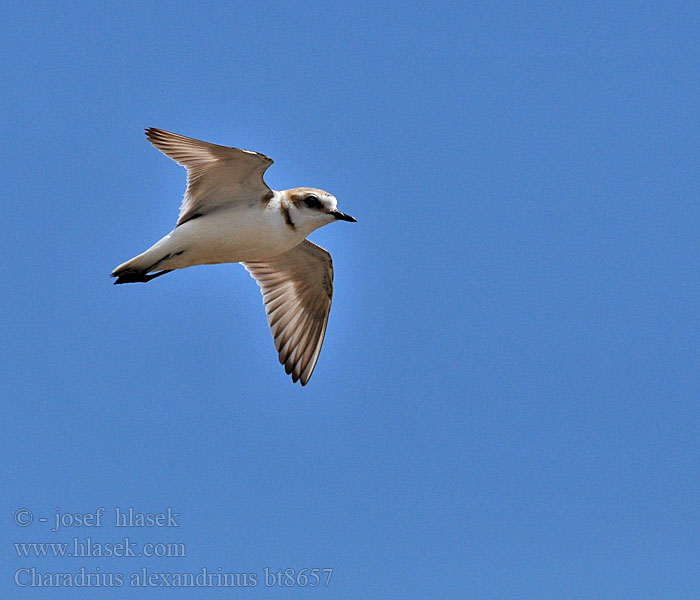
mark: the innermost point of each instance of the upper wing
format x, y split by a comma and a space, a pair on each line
216, 175
297, 289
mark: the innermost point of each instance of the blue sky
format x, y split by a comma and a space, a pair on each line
506, 404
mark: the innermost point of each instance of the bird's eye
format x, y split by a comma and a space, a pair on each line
312, 202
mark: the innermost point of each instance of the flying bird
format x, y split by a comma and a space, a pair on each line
229, 215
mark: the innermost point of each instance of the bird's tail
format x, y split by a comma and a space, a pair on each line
137, 276
141, 268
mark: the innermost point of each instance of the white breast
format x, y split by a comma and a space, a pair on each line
246, 233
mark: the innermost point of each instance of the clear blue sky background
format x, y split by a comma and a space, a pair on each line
506, 404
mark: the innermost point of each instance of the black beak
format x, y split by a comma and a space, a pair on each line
343, 217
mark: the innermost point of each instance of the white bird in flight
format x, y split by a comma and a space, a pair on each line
229, 215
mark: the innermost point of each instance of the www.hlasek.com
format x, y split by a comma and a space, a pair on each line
286, 578
87, 548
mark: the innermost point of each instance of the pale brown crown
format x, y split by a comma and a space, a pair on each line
296, 196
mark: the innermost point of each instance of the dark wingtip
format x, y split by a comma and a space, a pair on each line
153, 133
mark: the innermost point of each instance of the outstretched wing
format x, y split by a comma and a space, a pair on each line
297, 289
217, 176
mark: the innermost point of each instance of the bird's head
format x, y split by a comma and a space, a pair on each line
310, 208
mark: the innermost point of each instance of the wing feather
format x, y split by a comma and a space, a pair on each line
217, 176
297, 289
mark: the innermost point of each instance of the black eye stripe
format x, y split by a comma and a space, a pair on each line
312, 202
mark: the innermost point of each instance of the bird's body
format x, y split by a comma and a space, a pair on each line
248, 232
229, 215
